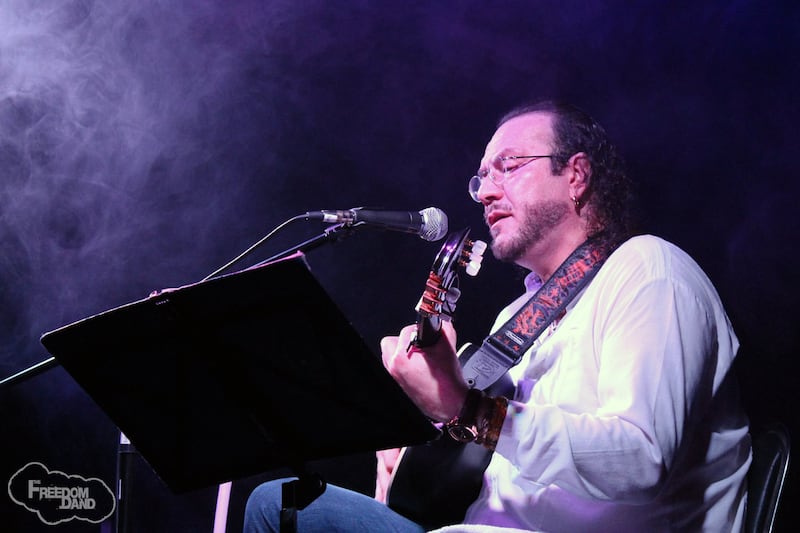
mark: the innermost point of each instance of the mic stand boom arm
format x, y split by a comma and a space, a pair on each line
331, 234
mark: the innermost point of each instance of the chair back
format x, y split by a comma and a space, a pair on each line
771, 450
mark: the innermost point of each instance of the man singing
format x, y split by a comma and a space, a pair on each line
625, 415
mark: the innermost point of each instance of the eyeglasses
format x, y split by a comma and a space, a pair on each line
503, 166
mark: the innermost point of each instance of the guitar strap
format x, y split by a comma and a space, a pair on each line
505, 347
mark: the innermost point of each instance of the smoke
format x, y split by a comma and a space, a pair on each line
110, 147
125, 149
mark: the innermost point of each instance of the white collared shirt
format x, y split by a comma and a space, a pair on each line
626, 416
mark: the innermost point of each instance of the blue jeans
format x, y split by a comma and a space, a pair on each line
336, 510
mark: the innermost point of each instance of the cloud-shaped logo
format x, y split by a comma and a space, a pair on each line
57, 497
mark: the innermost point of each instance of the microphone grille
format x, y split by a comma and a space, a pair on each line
434, 224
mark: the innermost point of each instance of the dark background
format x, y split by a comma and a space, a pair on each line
144, 144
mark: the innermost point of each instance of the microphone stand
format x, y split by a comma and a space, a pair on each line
126, 450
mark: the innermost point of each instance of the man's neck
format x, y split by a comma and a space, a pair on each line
546, 256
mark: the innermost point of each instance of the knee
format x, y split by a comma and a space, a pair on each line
263, 507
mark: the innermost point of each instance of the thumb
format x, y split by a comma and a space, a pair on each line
388, 347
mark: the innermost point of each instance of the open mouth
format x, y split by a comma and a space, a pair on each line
495, 216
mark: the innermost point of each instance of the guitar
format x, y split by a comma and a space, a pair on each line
434, 483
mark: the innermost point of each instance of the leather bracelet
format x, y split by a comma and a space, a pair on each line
491, 415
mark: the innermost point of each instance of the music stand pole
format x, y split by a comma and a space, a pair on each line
296, 495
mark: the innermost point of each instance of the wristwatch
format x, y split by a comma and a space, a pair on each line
464, 428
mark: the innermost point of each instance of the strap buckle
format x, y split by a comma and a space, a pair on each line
486, 364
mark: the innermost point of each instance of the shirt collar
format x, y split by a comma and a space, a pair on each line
532, 282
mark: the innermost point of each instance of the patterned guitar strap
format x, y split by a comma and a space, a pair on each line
505, 347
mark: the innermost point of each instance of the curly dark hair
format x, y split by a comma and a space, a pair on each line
610, 192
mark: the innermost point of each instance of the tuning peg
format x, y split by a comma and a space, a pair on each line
478, 247
472, 268
452, 295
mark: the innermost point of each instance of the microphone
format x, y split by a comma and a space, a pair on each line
430, 223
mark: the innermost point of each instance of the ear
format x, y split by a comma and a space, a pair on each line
579, 173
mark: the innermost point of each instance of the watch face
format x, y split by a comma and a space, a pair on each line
462, 433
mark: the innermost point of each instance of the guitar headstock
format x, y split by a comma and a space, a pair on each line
441, 290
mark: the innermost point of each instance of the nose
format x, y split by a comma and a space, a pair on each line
489, 191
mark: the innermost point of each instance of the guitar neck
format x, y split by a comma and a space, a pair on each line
428, 331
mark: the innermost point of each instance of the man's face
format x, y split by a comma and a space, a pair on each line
530, 204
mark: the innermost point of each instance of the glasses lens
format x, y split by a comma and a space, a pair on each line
474, 185
498, 165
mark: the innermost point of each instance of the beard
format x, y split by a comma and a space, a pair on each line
537, 221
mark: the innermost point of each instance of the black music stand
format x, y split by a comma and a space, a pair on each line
237, 375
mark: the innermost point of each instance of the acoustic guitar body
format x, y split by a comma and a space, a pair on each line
434, 483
